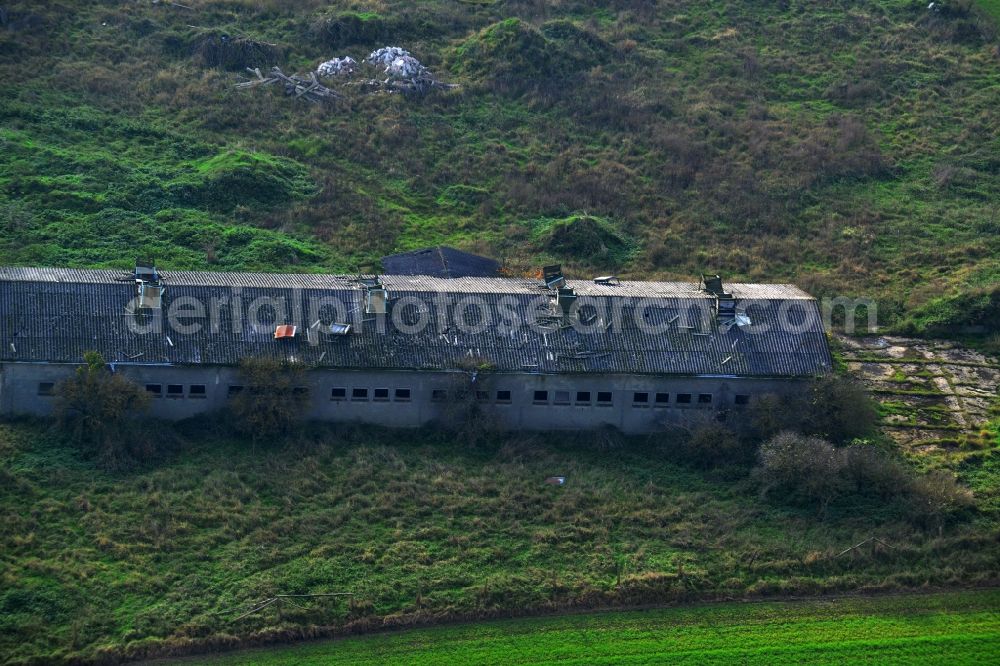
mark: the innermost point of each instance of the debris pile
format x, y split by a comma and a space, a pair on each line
346, 65
405, 67
295, 86
404, 73
385, 55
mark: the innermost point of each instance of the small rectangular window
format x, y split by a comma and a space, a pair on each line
439, 395
402, 395
503, 397
704, 398
604, 398
541, 397
338, 393
233, 390
561, 398
640, 399
175, 390
741, 399
662, 399
381, 395
583, 397
482, 396
359, 394
155, 390
683, 398
197, 391
46, 388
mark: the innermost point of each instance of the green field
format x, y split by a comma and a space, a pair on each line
956, 628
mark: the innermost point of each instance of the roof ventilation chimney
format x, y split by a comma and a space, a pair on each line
376, 296
725, 304
566, 299
713, 285
553, 277
148, 285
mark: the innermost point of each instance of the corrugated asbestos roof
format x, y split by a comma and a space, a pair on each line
55, 315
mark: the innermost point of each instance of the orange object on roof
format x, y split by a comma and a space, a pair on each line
285, 331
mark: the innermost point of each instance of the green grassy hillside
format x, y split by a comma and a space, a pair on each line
959, 628
851, 148
168, 556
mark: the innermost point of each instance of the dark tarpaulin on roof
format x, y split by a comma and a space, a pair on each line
441, 261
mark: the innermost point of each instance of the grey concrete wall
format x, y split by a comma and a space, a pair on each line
19, 394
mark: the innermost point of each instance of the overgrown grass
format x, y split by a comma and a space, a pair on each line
992, 7
162, 558
961, 628
851, 149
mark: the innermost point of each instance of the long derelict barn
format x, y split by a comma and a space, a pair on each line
540, 354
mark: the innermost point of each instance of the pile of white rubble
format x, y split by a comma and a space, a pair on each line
404, 72
346, 65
